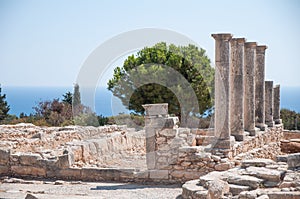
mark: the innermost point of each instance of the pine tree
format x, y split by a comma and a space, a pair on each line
4, 107
76, 96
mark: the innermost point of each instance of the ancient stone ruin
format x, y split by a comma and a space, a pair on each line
240, 157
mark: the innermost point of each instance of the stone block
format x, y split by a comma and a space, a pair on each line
237, 189
217, 189
284, 195
170, 133
4, 156
222, 166
65, 161
244, 180
29, 159
4, 170
266, 174
190, 175
28, 171
177, 174
141, 175
293, 160
71, 173
159, 174
257, 163
156, 109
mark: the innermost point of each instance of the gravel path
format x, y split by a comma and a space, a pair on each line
65, 190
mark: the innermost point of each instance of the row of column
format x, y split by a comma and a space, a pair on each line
243, 99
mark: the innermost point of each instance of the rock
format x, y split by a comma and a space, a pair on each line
237, 189
263, 197
4, 154
266, 174
248, 195
30, 196
190, 188
281, 158
217, 189
293, 160
291, 146
29, 159
244, 180
204, 180
256, 163
223, 166
284, 195
59, 182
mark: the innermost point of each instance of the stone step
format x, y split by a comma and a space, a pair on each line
245, 180
256, 162
237, 189
266, 174
192, 189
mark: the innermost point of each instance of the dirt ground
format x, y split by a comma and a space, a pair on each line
17, 188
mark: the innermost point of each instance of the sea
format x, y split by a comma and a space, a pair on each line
23, 99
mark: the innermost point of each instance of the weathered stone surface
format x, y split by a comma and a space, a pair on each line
217, 189
4, 170
159, 174
237, 189
290, 146
223, 166
269, 103
256, 162
4, 154
249, 87
222, 92
29, 159
260, 87
28, 170
156, 109
276, 103
284, 195
190, 188
293, 160
237, 88
244, 180
265, 173
65, 161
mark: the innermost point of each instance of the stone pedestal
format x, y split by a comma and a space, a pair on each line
237, 88
249, 89
276, 115
269, 106
260, 88
222, 113
154, 120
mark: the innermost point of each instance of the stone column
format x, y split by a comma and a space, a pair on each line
249, 87
237, 88
155, 115
276, 115
222, 113
260, 88
269, 106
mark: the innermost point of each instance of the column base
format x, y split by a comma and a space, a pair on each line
223, 144
253, 131
262, 126
278, 121
270, 124
239, 137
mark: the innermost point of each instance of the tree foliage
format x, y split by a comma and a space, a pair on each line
154, 63
290, 119
4, 107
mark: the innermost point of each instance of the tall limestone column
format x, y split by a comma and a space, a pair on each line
222, 113
276, 115
237, 88
269, 103
260, 88
249, 87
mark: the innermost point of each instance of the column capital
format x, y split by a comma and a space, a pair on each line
250, 44
239, 40
261, 48
222, 36
277, 86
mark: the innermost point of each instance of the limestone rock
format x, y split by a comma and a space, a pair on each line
293, 160
237, 189
256, 162
217, 189
244, 180
266, 174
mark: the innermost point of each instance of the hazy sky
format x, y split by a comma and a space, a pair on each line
44, 43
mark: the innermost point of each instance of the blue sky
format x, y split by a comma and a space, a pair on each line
44, 43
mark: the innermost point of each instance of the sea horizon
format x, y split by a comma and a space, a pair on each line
22, 99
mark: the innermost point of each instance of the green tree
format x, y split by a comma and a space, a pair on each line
152, 63
4, 107
68, 98
290, 119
